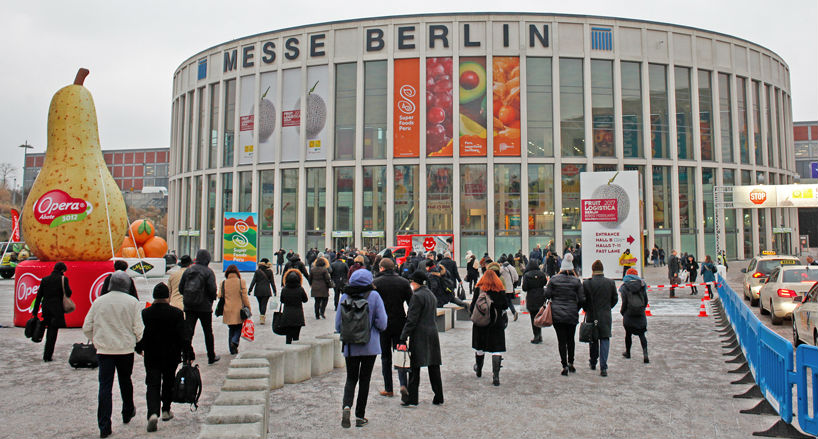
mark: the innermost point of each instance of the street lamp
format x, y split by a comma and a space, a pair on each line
25, 147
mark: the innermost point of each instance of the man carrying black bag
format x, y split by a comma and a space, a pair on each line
164, 341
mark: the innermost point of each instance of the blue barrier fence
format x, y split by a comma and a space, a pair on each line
776, 366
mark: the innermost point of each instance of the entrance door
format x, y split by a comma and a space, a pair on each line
341, 242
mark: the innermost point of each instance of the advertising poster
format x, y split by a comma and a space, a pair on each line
247, 107
506, 105
315, 112
267, 96
291, 116
240, 244
603, 135
609, 206
406, 108
473, 106
784, 195
439, 107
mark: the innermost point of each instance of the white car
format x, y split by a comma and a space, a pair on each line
805, 318
784, 284
759, 270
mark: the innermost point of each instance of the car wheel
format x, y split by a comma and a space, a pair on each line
753, 301
761, 309
796, 340
773, 318
7, 274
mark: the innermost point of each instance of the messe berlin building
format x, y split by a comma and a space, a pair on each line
353, 132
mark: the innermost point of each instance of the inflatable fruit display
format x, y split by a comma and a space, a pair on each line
155, 247
141, 231
74, 209
142, 241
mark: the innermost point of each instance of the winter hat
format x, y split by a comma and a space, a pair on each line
419, 277
566, 265
360, 278
494, 266
632, 271
161, 291
119, 282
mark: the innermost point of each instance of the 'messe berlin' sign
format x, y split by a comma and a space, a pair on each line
374, 42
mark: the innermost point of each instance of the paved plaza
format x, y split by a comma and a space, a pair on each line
685, 391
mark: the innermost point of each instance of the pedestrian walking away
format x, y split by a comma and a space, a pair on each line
173, 282
674, 266
163, 345
49, 296
472, 271
600, 298
363, 329
264, 285
320, 282
198, 288
119, 265
293, 297
490, 338
506, 275
339, 277
395, 291
566, 294
634, 301
420, 332
233, 290
114, 325
534, 281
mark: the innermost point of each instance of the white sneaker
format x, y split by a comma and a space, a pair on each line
152, 423
167, 416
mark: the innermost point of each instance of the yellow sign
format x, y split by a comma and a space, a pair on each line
768, 252
248, 148
315, 144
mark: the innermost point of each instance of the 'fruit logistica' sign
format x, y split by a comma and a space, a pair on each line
56, 207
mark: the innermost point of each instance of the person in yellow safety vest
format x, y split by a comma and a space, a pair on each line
627, 260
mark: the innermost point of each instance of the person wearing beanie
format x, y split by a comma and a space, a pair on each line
165, 343
626, 261
359, 357
634, 301
293, 297
600, 298
565, 292
173, 282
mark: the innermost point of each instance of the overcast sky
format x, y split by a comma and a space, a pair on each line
133, 48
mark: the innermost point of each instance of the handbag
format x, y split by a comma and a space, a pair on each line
220, 307
461, 293
401, 359
35, 329
278, 317
68, 305
588, 332
543, 319
248, 330
83, 355
245, 313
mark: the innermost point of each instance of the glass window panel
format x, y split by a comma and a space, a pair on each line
684, 122
439, 199
769, 105
729, 215
473, 209
540, 112
375, 109
344, 199
705, 115
201, 141
245, 191
214, 126
687, 208
316, 206
643, 180
374, 214
407, 189
229, 121
658, 110
602, 111
227, 192
572, 108
345, 95
289, 209
725, 109
540, 205
778, 140
662, 207
197, 202
571, 224
507, 208
632, 109
211, 213
191, 112
757, 124
741, 104
266, 206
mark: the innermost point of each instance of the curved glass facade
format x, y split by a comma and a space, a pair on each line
350, 133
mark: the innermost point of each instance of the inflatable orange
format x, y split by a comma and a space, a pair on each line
129, 252
142, 230
155, 247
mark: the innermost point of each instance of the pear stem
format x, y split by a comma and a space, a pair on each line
81, 74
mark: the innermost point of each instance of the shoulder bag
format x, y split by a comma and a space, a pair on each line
68, 305
588, 332
544, 318
278, 317
220, 304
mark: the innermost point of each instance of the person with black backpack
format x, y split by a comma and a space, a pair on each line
634, 301
163, 343
360, 319
198, 288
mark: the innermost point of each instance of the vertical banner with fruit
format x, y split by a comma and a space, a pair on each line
506, 102
247, 106
406, 108
240, 244
267, 96
609, 205
315, 112
291, 116
439, 107
473, 106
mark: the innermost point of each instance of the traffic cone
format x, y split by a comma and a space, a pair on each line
703, 310
647, 311
706, 294
522, 305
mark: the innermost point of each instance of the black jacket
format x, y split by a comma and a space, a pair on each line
534, 285
633, 323
674, 266
105, 288
279, 257
600, 298
566, 295
209, 292
472, 275
551, 265
692, 268
394, 291
292, 297
264, 282
339, 273
491, 338
165, 337
421, 329
296, 263
49, 295
451, 269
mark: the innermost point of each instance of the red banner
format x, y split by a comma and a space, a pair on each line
600, 210
406, 108
506, 105
15, 225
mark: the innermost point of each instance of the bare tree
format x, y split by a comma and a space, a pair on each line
7, 172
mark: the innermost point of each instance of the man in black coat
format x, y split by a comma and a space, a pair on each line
339, 277
395, 291
674, 266
279, 260
451, 268
198, 295
163, 342
600, 298
295, 262
424, 344
119, 265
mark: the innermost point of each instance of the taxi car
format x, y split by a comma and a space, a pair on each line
785, 283
759, 269
805, 318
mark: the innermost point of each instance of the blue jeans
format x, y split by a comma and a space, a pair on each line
123, 365
599, 350
233, 336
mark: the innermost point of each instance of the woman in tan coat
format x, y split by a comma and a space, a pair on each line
234, 291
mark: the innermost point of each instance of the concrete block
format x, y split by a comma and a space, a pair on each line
236, 414
275, 359
231, 384
297, 363
322, 355
463, 313
252, 397
248, 372
443, 319
249, 362
455, 309
338, 355
255, 430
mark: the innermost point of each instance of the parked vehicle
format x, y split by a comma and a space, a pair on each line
805, 318
12, 256
784, 284
756, 274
